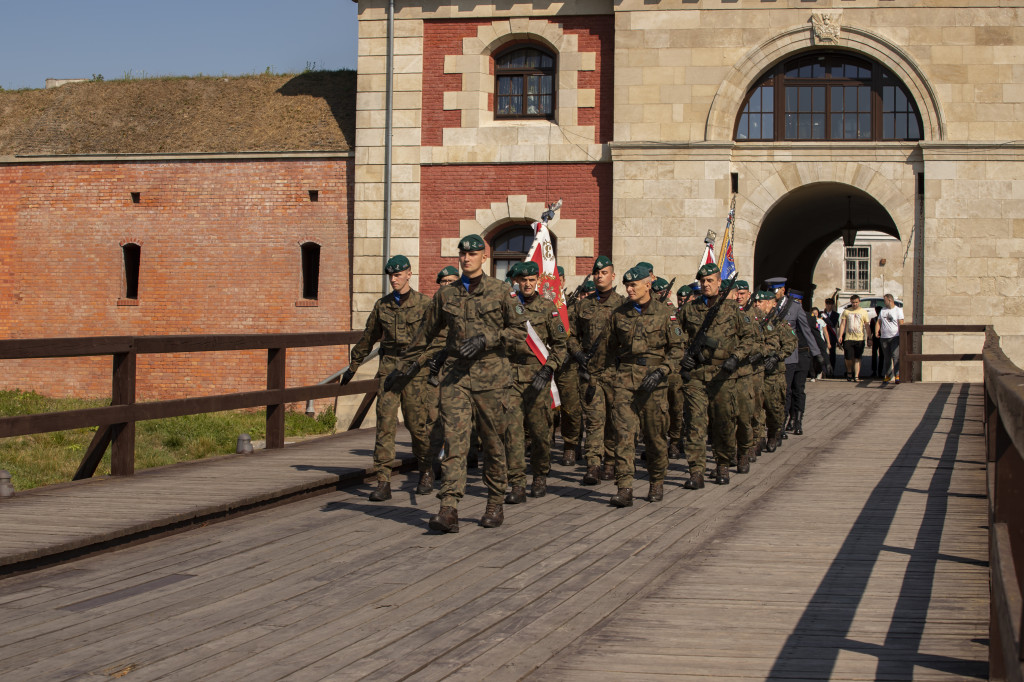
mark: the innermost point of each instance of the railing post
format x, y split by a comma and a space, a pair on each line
905, 350
275, 413
122, 392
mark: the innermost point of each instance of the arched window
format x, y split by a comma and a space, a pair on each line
131, 255
524, 83
512, 245
828, 96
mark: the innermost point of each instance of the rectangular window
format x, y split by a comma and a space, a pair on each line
858, 268
310, 271
132, 254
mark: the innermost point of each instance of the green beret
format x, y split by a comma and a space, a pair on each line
589, 286
635, 274
683, 290
527, 269
659, 284
764, 296
447, 271
471, 242
396, 264
561, 272
740, 285
646, 266
602, 262
707, 269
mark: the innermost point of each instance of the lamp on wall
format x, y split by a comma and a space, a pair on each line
849, 232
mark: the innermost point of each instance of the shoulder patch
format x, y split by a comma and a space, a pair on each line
678, 331
520, 309
561, 328
769, 327
512, 293
554, 313
746, 318
672, 317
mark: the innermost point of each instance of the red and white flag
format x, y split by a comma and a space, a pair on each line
540, 351
542, 252
709, 249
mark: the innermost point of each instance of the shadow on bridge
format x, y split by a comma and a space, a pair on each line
855, 562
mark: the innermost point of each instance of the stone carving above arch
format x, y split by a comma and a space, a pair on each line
726, 104
517, 209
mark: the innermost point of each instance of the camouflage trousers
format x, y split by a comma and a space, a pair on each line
714, 400
675, 406
601, 441
775, 402
531, 414
635, 411
418, 401
570, 417
748, 407
758, 406
459, 405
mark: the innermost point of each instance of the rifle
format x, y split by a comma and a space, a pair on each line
667, 291
700, 339
571, 298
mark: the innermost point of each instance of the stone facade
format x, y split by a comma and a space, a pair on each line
680, 73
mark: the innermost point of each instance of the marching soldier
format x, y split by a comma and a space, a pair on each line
645, 343
780, 341
570, 414
393, 321
748, 383
710, 390
591, 319
531, 387
447, 275
482, 320
675, 383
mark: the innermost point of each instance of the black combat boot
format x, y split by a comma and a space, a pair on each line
623, 498
539, 487
569, 455
426, 484
798, 424
446, 520
517, 495
696, 481
383, 492
771, 443
608, 472
493, 516
722, 475
789, 422
593, 476
673, 450
743, 462
657, 492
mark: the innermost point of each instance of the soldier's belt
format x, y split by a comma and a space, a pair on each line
633, 361
524, 359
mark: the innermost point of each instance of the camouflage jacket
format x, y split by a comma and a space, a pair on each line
543, 317
394, 326
590, 318
730, 332
642, 341
749, 317
490, 311
781, 339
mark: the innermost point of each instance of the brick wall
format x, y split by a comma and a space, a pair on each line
220, 253
444, 37
453, 193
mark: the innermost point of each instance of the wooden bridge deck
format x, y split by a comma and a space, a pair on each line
858, 551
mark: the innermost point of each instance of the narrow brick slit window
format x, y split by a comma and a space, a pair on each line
132, 256
310, 271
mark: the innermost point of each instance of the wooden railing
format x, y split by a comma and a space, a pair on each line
117, 421
908, 346
1004, 444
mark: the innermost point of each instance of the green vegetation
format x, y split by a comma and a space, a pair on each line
46, 458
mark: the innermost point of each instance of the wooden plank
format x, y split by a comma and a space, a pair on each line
236, 342
19, 349
276, 367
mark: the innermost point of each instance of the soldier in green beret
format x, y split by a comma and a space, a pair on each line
589, 287
710, 389
570, 414
393, 320
781, 340
749, 379
481, 318
531, 388
660, 288
590, 318
645, 344
447, 275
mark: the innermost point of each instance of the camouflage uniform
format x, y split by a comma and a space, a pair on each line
782, 339
591, 317
710, 391
748, 392
394, 324
528, 406
482, 383
570, 414
675, 398
642, 341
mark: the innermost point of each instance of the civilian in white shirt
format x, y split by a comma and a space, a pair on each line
889, 321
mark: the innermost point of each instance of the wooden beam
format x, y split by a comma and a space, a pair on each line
94, 453
276, 368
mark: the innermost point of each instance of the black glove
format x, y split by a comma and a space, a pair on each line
688, 363
347, 376
651, 381
770, 363
581, 358
391, 379
590, 393
437, 362
472, 346
754, 359
542, 379
401, 375
731, 364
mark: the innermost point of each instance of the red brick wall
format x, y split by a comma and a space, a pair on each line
449, 194
219, 254
444, 37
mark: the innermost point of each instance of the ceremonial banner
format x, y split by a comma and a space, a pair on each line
543, 254
540, 351
726, 263
709, 249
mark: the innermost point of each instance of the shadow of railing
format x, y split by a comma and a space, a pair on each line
828, 618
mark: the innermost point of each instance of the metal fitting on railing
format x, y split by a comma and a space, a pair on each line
6, 489
244, 446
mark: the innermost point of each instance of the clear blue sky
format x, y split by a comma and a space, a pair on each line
78, 38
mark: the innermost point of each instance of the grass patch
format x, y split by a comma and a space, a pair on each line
46, 458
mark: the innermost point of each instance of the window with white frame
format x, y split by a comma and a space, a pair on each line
858, 268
